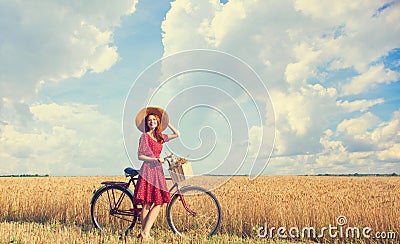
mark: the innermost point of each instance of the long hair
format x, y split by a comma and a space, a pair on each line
157, 132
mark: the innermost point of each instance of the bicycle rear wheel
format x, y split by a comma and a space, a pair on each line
205, 218
112, 210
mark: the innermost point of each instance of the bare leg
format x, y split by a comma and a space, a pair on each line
145, 211
149, 220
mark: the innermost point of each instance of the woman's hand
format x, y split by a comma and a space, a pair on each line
161, 160
175, 131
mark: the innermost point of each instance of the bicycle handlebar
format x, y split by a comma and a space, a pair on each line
167, 159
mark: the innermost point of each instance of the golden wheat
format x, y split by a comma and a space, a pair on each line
57, 209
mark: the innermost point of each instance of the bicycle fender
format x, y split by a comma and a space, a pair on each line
130, 191
95, 192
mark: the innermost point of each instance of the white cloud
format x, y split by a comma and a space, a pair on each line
184, 25
335, 149
392, 153
62, 140
339, 9
255, 141
356, 132
388, 130
359, 105
367, 145
299, 72
354, 27
357, 127
226, 19
296, 48
53, 40
99, 54
301, 115
49, 41
369, 79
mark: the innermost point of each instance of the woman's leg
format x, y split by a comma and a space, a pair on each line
150, 219
145, 211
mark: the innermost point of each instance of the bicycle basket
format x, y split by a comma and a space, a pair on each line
181, 172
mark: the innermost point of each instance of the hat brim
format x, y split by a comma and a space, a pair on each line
141, 115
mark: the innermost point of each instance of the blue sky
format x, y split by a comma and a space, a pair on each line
138, 39
331, 72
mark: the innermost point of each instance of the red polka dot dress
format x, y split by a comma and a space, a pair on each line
151, 186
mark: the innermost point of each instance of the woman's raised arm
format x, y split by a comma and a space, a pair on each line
174, 131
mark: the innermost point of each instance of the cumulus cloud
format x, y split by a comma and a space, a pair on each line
369, 79
359, 105
364, 144
70, 139
50, 41
369, 133
299, 72
356, 133
53, 40
184, 25
392, 153
300, 49
301, 115
353, 27
319, 59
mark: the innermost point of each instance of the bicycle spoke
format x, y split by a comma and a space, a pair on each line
206, 218
112, 210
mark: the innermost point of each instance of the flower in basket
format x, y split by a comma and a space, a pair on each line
181, 161
180, 169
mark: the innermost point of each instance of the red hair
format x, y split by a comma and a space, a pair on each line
157, 132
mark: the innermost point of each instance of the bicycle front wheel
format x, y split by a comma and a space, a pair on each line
112, 210
194, 212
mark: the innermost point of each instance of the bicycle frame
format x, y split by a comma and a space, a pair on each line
178, 191
115, 203
114, 207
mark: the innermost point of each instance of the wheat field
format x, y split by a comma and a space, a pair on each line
57, 210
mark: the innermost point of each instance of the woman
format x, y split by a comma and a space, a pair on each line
151, 190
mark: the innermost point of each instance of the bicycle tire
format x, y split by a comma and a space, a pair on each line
112, 209
206, 206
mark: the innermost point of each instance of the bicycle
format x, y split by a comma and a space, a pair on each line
114, 210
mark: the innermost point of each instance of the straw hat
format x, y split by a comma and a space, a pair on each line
141, 115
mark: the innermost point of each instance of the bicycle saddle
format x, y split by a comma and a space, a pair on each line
131, 172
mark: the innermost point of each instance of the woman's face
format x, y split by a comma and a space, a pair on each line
152, 122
